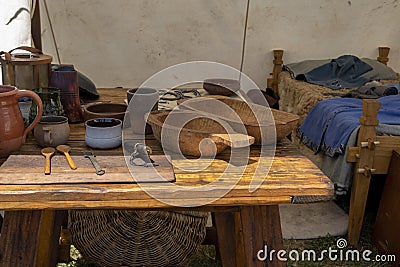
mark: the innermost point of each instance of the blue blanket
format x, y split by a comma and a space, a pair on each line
330, 123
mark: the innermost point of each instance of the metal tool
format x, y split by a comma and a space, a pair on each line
177, 94
140, 156
96, 165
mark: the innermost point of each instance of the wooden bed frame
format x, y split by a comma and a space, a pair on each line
371, 155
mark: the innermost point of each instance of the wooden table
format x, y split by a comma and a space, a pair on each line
245, 221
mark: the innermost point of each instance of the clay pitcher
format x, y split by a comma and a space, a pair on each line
12, 130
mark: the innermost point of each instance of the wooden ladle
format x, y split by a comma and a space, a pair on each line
48, 152
65, 149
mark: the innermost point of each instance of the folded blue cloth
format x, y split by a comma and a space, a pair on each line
329, 124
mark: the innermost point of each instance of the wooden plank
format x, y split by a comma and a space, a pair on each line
35, 234
382, 155
28, 169
110, 192
261, 231
251, 235
225, 225
47, 240
383, 152
140, 203
272, 232
22, 226
386, 235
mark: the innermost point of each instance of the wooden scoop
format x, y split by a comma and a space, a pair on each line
65, 149
235, 140
48, 152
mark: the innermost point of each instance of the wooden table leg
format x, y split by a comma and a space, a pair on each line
229, 235
261, 228
27, 239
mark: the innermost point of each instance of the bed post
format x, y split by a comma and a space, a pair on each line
383, 53
364, 157
273, 82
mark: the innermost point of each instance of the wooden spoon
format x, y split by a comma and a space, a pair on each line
48, 152
65, 149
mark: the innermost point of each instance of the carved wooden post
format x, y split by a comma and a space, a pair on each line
365, 162
383, 54
273, 82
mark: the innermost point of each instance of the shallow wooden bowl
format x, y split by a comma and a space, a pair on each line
245, 115
185, 132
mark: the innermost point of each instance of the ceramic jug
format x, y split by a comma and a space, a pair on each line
12, 130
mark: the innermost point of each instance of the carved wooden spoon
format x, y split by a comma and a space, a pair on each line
65, 149
48, 152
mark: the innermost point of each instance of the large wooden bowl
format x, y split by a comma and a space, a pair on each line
243, 113
184, 131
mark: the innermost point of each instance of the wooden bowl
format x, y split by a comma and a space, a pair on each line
105, 110
226, 87
245, 115
185, 132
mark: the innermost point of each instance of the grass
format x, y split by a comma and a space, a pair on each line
206, 255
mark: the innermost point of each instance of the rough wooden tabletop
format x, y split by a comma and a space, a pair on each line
291, 178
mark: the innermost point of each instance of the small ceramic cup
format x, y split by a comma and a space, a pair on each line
103, 133
52, 131
141, 102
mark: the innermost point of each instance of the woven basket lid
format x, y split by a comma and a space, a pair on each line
137, 238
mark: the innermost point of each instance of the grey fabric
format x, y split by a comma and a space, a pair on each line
342, 72
379, 71
372, 91
299, 68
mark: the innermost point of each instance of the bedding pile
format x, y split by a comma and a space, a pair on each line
333, 124
330, 123
298, 96
346, 71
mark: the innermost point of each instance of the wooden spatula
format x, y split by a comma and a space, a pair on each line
65, 149
48, 152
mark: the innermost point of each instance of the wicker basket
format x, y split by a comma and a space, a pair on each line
137, 238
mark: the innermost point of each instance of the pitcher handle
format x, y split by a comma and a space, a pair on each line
38, 101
